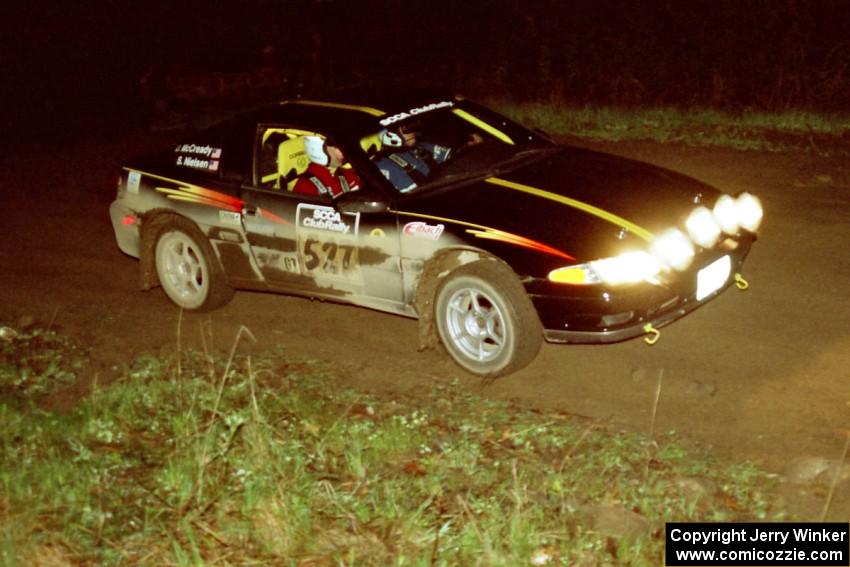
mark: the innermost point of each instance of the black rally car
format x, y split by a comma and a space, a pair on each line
501, 240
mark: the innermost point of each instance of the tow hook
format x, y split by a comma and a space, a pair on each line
654, 334
740, 282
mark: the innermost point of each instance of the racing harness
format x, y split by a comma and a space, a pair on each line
324, 189
409, 167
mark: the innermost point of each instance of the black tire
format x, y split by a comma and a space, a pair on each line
187, 269
485, 319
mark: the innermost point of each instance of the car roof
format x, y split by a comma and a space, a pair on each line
349, 115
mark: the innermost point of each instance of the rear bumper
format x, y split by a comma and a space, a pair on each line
126, 226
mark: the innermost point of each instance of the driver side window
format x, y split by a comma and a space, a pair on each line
281, 158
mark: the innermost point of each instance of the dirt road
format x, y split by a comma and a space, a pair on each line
762, 374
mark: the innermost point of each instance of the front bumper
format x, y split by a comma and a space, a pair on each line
636, 329
601, 316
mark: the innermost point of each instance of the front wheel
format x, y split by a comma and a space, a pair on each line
187, 270
486, 320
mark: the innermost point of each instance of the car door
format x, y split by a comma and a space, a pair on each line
305, 244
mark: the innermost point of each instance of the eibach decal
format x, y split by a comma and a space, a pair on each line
480, 231
419, 229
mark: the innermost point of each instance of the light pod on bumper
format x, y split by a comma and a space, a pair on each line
724, 212
673, 249
732, 213
703, 227
749, 211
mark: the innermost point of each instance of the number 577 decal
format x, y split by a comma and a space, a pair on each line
327, 243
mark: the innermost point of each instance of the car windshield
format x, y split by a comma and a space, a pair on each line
447, 142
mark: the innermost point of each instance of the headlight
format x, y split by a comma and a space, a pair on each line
673, 249
629, 267
703, 227
749, 212
744, 212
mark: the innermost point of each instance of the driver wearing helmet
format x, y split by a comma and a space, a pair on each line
325, 176
409, 161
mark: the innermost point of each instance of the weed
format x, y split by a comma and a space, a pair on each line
268, 460
35, 362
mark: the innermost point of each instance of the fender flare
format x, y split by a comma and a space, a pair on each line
436, 269
151, 223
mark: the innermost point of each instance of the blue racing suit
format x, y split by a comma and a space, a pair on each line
409, 167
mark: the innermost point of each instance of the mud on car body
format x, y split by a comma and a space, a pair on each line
509, 240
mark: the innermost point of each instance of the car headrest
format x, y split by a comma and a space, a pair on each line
292, 159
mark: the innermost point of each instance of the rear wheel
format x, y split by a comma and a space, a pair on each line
486, 320
187, 269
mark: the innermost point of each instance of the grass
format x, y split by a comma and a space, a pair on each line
746, 130
268, 460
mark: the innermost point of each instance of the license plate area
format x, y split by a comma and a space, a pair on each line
713, 277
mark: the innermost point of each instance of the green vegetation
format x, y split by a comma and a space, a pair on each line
748, 130
266, 459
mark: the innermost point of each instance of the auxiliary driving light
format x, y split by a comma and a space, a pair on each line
673, 249
749, 211
724, 213
703, 227
745, 212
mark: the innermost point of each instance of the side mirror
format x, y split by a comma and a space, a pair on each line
361, 202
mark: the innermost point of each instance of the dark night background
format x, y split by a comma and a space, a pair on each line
88, 67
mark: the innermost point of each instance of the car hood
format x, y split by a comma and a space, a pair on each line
586, 204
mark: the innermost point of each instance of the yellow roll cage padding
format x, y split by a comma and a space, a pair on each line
291, 134
288, 132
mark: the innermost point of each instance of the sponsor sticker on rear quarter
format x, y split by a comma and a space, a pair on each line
230, 218
133, 180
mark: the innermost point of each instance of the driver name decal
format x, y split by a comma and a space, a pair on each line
206, 151
189, 156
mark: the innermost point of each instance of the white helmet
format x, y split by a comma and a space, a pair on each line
391, 139
314, 147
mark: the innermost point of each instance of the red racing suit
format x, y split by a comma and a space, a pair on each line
318, 180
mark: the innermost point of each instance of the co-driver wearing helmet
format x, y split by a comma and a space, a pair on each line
325, 176
409, 161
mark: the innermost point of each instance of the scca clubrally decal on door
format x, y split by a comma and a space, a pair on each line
327, 243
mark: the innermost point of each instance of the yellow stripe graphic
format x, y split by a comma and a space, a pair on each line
366, 109
590, 209
483, 125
